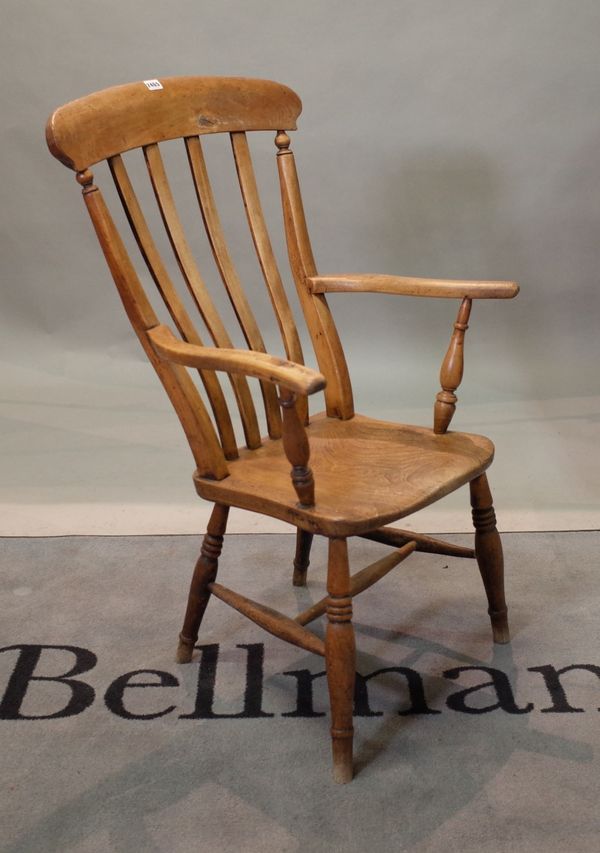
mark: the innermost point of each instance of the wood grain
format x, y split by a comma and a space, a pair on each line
296, 377
407, 286
271, 620
368, 473
100, 125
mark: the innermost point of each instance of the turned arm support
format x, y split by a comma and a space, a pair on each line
406, 286
451, 371
293, 380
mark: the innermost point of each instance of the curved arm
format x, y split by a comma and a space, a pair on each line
402, 286
295, 377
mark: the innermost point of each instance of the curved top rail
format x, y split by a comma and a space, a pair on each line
90, 129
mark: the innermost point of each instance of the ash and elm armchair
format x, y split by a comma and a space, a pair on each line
335, 474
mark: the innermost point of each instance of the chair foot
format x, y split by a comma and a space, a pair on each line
342, 758
298, 578
185, 650
500, 629
301, 560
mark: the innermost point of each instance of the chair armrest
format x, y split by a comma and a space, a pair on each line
452, 366
402, 286
292, 378
288, 374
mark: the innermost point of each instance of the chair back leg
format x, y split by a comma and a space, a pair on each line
340, 658
205, 572
304, 541
488, 550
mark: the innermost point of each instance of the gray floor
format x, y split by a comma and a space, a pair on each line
464, 779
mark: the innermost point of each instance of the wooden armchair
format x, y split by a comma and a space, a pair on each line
363, 473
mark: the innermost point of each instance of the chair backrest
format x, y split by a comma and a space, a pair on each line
105, 125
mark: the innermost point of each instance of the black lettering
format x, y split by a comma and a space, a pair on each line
555, 688
500, 683
362, 707
113, 697
207, 673
416, 691
253, 695
304, 695
82, 694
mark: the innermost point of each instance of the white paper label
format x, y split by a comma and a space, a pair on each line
153, 84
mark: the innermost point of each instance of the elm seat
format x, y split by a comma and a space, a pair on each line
397, 470
337, 474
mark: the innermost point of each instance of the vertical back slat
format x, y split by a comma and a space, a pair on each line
265, 254
264, 250
197, 288
171, 299
229, 275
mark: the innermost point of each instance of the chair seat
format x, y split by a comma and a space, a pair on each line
367, 473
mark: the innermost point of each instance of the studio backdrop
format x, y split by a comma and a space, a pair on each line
448, 140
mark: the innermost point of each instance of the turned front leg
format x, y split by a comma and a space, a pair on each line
488, 550
205, 572
340, 659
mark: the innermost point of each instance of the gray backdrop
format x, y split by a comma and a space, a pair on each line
444, 139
